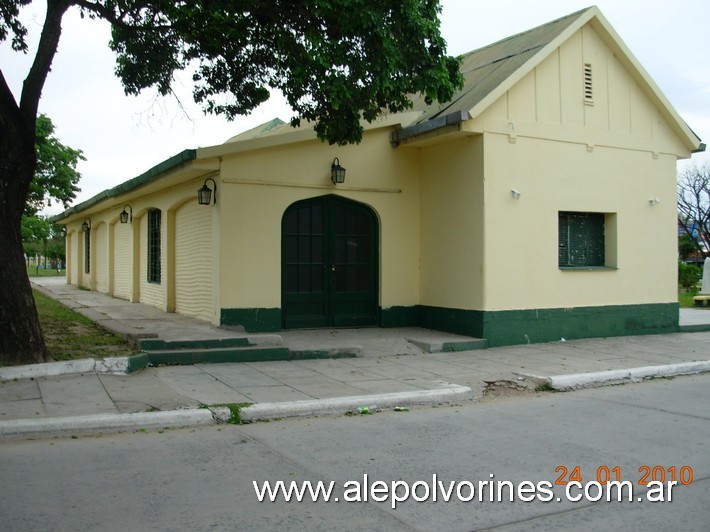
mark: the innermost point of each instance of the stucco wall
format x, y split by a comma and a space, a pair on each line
451, 225
611, 155
521, 251
258, 186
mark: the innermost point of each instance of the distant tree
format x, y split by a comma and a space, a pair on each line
42, 237
686, 246
56, 176
336, 62
694, 205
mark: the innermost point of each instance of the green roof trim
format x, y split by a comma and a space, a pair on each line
181, 158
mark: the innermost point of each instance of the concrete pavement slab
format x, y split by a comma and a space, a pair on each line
203, 388
19, 390
23, 409
238, 375
385, 386
142, 392
327, 390
75, 395
273, 394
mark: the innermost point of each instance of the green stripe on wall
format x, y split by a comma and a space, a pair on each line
252, 319
505, 327
514, 327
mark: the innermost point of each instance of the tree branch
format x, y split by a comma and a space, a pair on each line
116, 19
47, 49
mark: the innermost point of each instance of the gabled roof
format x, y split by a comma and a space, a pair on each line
258, 131
492, 70
486, 69
488, 73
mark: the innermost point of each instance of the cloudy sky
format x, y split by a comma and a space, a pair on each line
122, 136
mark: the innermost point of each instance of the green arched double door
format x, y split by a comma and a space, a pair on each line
329, 264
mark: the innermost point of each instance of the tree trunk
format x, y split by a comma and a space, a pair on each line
21, 340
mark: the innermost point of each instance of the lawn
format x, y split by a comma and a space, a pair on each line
685, 300
33, 271
70, 335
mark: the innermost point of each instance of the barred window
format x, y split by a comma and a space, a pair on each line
154, 246
581, 239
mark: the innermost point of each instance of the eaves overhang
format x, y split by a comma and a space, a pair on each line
432, 126
143, 179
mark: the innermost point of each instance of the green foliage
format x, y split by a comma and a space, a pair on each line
42, 237
686, 246
688, 276
235, 411
10, 24
336, 61
35, 229
56, 176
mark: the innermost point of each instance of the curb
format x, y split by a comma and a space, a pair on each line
110, 365
577, 381
343, 405
210, 416
98, 422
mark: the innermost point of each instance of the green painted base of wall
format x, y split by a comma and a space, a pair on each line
505, 327
513, 327
399, 317
458, 321
252, 319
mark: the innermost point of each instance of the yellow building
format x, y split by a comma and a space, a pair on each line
539, 203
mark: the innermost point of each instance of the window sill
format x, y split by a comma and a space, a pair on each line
588, 268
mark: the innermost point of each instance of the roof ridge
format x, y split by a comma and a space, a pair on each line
536, 28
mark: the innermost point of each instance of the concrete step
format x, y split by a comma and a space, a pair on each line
186, 355
215, 355
437, 345
157, 344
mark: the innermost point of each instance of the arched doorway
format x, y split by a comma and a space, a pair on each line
329, 264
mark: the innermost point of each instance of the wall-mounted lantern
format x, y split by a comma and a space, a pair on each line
337, 172
125, 216
86, 226
204, 195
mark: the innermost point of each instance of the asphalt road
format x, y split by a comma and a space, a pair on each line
203, 479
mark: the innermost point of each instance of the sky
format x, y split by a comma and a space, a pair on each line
123, 136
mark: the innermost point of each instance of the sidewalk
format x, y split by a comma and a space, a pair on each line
392, 369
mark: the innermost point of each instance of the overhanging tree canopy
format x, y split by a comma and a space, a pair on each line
336, 62
56, 176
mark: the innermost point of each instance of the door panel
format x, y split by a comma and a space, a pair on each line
329, 264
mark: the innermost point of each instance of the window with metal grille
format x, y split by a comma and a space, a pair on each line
581, 239
154, 246
588, 93
87, 251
